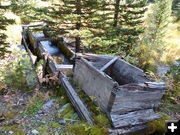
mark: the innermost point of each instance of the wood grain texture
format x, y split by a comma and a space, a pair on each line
108, 64
93, 82
75, 99
136, 130
132, 97
133, 118
125, 73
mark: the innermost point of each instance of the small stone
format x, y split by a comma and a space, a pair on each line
40, 112
63, 108
62, 122
48, 104
34, 131
56, 133
11, 132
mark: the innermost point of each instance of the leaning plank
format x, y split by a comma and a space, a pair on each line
75, 99
133, 118
32, 57
108, 64
137, 130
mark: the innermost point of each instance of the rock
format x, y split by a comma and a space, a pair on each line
40, 112
48, 104
56, 133
63, 108
34, 131
11, 132
71, 120
62, 122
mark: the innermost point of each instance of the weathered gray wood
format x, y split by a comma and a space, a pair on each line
75, 100
34, 25
65, 50
137, 130
93, 82
32, 57
133, 118
64, 67
108, 64
156, 85
52, 65
122, 100
125, 73
98, 61
132, 97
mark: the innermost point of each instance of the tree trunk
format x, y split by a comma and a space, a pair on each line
116, 13
78, 24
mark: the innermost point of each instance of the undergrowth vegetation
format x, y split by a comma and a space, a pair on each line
16, 71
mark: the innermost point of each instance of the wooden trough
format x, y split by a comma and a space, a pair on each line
120, 89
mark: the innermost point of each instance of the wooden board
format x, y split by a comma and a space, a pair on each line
32, 57
125, 73
93, 82
133, 118
136, 130
108, 64
75, 99
132, 97
34, 25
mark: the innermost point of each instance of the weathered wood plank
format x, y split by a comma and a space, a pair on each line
125, 73
133, 118
98, 61
132, 97
32, 57
156, 85
93, 82
34, 25
108, 64
65, 50
64, 67
137, 130
75, 99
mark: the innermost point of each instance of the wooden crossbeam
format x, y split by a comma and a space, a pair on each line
108, 64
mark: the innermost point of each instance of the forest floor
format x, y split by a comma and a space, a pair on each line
38, 110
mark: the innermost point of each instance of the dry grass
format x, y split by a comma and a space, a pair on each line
172, 47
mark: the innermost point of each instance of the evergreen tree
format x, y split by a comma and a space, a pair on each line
158, 21
130, 24
3, 23
152, 44
176, 9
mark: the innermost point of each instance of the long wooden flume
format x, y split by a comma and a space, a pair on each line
121, 90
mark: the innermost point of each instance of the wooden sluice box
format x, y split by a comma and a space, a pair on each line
120, 89
56, 52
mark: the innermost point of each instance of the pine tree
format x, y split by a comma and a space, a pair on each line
158, 21
176, 9
152, 44
3, 23
130, 24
